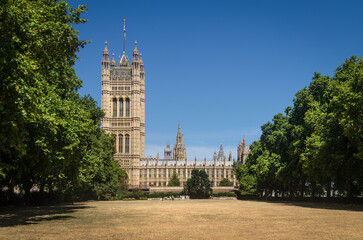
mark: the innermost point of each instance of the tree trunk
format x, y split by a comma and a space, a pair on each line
302, 189
349, 189
12, 184
27, 186
328, 189
313, 189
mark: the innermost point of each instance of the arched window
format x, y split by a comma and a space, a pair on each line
120, 143
127, 143
114, 107
127, 107
121, 107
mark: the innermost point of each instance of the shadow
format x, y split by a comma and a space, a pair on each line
12, 216
315, 204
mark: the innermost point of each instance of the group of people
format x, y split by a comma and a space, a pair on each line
186, 197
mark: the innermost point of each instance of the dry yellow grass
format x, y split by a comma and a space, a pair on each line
195, 219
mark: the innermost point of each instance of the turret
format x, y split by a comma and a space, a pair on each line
135, 54
113, 63
105, 59
142, 70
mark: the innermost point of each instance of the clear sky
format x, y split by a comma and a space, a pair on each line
223, 68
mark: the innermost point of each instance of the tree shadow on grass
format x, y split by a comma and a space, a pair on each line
319, 204
13, 216
327, 205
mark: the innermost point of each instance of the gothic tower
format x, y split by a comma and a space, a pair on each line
242, 151
179, 152
123, 101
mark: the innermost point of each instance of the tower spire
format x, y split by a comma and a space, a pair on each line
124, 34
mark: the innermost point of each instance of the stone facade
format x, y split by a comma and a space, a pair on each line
156, 172
123, 101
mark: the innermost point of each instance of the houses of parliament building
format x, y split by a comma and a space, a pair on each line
123, 101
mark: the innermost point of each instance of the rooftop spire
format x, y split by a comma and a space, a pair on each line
105, 51
105, 57
113, 63
179, 136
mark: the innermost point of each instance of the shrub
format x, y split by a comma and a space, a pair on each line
225, 183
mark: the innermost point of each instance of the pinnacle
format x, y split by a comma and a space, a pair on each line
105, 51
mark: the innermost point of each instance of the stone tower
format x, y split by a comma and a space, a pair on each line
123, 101
242, 151
168, 152
179, 152
221, 153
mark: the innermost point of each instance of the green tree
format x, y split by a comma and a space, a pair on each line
198, 186
247, 182
43, 130
99, 172
225, 182
334, 147
49, 135
174, 180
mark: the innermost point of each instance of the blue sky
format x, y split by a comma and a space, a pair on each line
223, 68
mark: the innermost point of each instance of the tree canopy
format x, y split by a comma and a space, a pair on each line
49, 135
198, 186
315, 147
174, 180
225, 182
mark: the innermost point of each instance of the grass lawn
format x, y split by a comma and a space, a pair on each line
195, 219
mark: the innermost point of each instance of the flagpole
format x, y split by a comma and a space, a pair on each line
124, 33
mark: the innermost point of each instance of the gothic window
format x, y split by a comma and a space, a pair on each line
120, 143
127, 107
127, 143
114, 107
121, 107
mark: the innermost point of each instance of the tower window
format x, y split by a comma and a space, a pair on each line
127, 107
120, 141
114, 107
121, 107
127, 143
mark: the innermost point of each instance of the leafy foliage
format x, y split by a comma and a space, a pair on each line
49, 135
174, 180
226, 182
316, 147
247, 181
